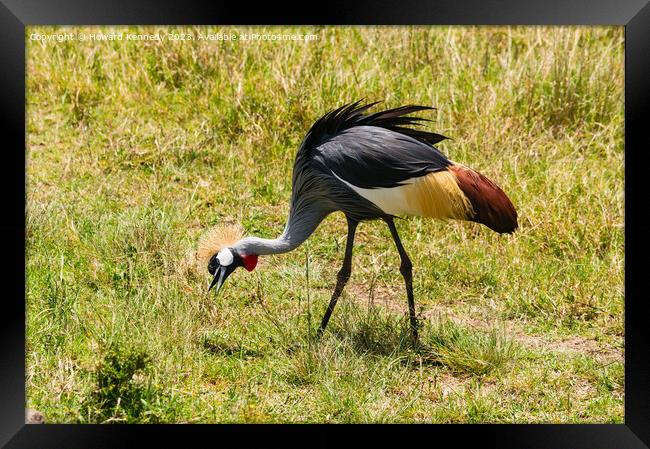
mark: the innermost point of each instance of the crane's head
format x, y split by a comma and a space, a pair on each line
216, 250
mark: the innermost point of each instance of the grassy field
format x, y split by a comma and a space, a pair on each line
135, 148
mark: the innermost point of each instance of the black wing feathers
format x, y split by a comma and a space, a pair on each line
371, 157
374, 150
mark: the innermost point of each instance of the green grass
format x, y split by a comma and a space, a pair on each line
134, 148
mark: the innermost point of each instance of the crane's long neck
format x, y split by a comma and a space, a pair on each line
298, 228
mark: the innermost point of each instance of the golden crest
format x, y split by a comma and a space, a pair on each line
215, 239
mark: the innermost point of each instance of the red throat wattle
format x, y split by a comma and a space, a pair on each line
250, 261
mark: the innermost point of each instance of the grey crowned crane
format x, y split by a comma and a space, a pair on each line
368, 166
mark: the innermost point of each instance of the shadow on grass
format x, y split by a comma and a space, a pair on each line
442, 342
376, 335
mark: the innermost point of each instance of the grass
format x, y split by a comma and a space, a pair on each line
134, 148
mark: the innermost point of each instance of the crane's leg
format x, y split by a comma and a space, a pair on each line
343, 275
406, 268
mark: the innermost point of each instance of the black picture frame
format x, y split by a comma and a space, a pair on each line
15, 15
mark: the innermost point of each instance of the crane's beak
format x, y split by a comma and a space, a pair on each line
218, 279
220, 276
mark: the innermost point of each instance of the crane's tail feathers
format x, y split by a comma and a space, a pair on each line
490, 205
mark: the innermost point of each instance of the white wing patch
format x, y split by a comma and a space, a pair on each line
391, 200
435, 195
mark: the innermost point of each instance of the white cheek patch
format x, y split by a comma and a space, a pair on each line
225, 257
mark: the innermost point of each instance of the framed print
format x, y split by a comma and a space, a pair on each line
409, 214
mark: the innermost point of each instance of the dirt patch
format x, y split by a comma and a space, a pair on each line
34, 417
391, 298
449, 385
575, 344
